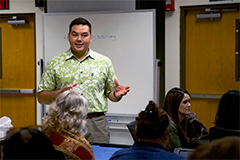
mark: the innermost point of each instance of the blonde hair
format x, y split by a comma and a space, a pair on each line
68, 112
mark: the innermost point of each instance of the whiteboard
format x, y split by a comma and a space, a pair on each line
127, 38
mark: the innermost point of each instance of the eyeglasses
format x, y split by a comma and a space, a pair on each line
234, 92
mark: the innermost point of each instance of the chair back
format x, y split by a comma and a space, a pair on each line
132, 129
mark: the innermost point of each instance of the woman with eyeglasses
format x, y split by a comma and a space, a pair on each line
153, 133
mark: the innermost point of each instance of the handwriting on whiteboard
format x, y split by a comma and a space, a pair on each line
102, 37
98, 37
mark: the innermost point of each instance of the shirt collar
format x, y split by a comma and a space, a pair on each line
70, 55
149, 144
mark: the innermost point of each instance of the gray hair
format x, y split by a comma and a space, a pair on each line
68, 112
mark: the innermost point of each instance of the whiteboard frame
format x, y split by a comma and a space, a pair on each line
155, 82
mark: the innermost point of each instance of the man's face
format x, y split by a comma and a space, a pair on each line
80, 39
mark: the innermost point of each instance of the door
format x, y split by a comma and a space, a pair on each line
209, 58
17, 70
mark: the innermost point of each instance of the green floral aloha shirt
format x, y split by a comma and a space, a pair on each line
94, 74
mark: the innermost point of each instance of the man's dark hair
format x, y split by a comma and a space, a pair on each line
79, 21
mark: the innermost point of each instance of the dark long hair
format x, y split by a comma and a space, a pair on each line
171, 105
228, 112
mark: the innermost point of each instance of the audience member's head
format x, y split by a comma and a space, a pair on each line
153, 124
228, 112
222, 148
153, 131
29, 143
68, 112
173, 101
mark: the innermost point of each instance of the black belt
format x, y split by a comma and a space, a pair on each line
95, 114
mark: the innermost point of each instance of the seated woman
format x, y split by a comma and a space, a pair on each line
227, 117
29, 143
153, 133
65, 125
177, 105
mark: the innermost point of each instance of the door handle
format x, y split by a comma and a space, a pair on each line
211, 96
24, 91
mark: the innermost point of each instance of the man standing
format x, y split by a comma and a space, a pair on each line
87, 72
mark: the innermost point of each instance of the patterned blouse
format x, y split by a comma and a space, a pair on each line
72, 146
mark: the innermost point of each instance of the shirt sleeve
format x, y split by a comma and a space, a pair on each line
174, 141
47, 81
110, 83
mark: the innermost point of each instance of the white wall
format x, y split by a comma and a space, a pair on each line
89, 5
172, 41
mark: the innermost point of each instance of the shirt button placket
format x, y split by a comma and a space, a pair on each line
81, 72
